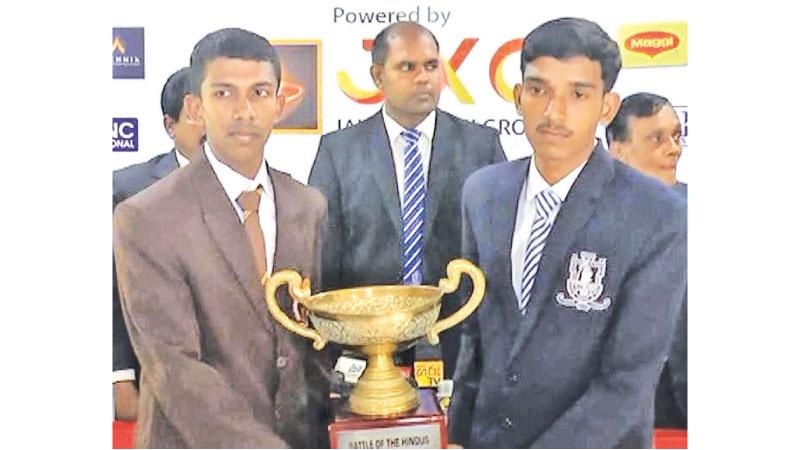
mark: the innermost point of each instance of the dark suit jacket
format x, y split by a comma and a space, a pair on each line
568, 378
355, 170
127, 182
217, 370
672, 391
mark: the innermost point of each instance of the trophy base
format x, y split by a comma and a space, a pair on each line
423, 427
382, 390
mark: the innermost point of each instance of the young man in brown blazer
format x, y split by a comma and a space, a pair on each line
192, 252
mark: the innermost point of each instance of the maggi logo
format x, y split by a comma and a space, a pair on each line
652, 42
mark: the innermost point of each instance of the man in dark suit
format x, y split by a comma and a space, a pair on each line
585, 262
393, 182
646, 134
192, 253
188, 136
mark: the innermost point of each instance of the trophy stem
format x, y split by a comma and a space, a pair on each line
382, 390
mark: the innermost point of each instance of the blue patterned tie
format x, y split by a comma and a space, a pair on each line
413, 208
546, 205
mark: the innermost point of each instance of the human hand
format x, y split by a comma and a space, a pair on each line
126, 400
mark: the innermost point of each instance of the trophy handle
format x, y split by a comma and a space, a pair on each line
454, 270
300, 290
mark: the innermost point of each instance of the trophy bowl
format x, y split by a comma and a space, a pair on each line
376, 321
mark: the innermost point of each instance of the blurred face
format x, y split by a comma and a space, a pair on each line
653, 145
239, 103
188, 134
561, 101
411, 79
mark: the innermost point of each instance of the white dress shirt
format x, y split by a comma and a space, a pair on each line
526, 212
182, 160
398, 143
235, 183
123, 375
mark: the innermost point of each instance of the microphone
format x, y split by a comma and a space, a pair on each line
428, 373
444, 394
345, 374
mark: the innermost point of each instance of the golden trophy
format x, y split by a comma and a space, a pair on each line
376, 321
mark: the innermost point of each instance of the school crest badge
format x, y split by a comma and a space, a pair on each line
585, 283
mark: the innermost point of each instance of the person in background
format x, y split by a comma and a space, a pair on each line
393, 182
646, 134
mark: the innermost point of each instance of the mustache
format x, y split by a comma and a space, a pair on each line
243, 129
549, 127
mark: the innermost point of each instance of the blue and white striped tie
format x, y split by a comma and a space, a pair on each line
413, 208
547, 203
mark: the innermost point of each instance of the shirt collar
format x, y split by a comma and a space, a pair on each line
182, 160
537, 183
393, 129
235, 183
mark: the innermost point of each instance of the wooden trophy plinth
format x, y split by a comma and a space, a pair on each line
423, 427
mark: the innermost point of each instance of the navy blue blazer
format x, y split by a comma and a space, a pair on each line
127, 182
564, 377
672, 400
355, 170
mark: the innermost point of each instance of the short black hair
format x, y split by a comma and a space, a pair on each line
380, 46
176, 87
567, 37
641, 104
231, 43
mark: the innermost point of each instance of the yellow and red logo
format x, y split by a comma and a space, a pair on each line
654, 44
499, 84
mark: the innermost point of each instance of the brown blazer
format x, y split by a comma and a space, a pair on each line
217, 370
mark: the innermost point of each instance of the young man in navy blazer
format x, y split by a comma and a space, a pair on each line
585, 262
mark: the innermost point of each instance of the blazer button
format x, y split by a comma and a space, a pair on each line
281, 362
507, 423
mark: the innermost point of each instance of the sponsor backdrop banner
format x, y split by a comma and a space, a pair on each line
324, 48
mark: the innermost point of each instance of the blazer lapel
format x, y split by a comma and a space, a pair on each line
383, 170
228, 234
288, 213
575, 212
287, 242
503, 221
444, 147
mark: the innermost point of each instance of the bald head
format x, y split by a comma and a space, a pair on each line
405, 68
380, 47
